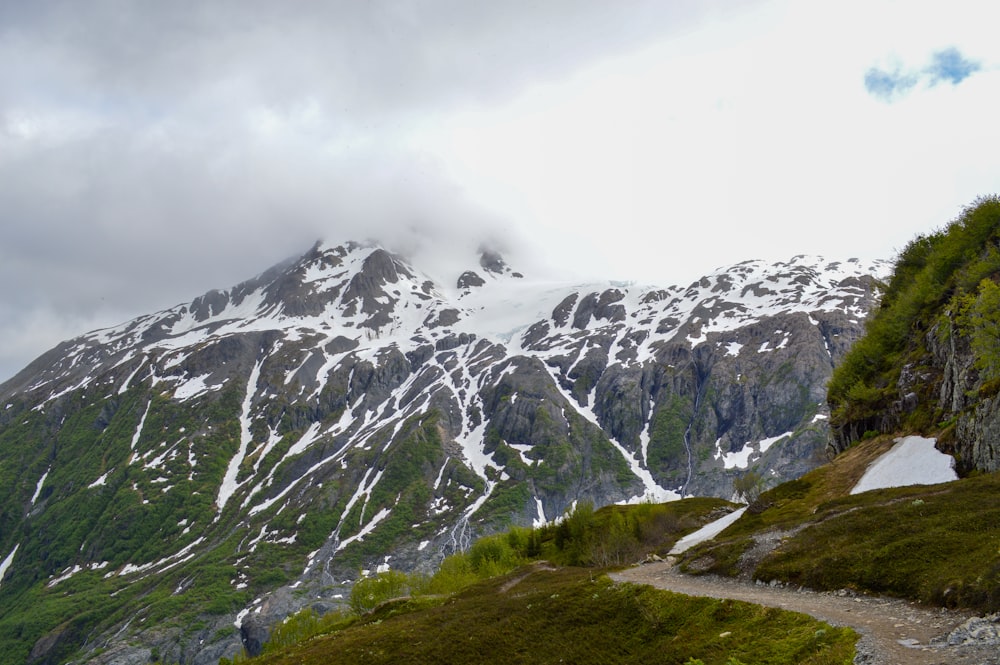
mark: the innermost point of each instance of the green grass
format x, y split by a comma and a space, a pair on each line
936, 544
498, 603
571, 615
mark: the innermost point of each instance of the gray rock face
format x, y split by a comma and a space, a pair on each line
943, 379
977, 444
470, 279
254, 633
340, 412
980, 631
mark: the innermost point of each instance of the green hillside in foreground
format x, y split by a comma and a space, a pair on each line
572, 615
937, 544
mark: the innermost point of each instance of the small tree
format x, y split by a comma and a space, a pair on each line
748, 489
370, 592
979, 318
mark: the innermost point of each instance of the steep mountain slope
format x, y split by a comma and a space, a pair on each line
230, 460
930, 361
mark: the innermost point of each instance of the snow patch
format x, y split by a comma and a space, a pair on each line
103, 480
138, 429
707, 532
229, 484
740, 459
913, 460
5, 564
368, 528
38, 487
192, 388
539, 521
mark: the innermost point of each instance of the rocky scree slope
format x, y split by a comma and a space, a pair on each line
191, 474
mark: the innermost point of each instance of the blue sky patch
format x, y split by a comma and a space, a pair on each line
946, 66
951, 66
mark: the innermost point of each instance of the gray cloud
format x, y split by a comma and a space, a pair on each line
946, 66
152, 151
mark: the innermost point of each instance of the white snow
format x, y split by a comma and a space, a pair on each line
68, 573
368, 528
767, 443
229, 484
5, 564
740, 459
128, 379
138, 429
913, 460
38, 487
522, 449
100, 481
238, 621
192, 388
184, 554
733, 348
707, 532
540, 521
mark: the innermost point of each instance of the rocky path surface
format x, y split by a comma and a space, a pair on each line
893, 632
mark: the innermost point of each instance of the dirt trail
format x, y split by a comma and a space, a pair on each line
893, 632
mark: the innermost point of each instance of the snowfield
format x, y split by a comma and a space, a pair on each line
912, 461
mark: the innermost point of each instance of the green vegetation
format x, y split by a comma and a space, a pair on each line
938, 544
666, 435
537, 614
500, 603
748, 488
979, 320
941, 282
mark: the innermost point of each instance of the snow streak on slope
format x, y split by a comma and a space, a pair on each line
653, 491
229, 484
5, 564
38, 487
707, 532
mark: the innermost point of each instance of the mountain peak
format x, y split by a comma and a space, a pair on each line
342, 408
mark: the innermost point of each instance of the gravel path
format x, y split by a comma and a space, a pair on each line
893, 632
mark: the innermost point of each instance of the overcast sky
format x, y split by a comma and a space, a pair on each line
151, 151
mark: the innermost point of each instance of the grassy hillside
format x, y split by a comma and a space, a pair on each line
938, 544
572, 615
530, 610
945, 282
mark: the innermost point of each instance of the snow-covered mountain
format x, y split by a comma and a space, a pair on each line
245, 454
